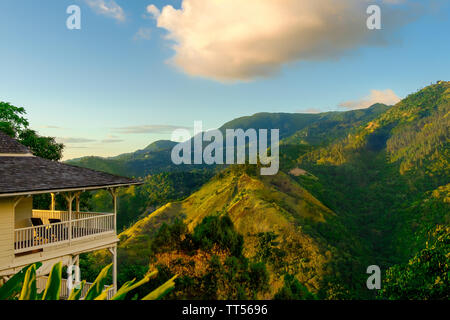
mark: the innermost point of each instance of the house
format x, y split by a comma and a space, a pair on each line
27, 235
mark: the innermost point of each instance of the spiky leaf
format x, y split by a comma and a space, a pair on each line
29, 291
99, 284
130, 285
75, 294
14, 285
53, 286
161, 291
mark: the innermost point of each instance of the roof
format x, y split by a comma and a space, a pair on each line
22, 173
9, 145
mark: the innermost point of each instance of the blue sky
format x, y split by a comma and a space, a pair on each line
105, 90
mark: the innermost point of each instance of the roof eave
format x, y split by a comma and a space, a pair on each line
72, 189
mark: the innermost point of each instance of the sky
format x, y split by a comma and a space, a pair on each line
137, 70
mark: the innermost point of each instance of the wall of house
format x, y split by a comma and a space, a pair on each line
23, 213
6, 232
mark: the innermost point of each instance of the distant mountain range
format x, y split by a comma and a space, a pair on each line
294, 128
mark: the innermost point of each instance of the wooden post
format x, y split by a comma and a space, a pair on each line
114, 192
69, 198
113, 250
53, 205
77, 202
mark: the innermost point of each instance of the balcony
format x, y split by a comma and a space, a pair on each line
57, 228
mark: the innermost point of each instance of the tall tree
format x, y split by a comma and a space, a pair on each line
14, 123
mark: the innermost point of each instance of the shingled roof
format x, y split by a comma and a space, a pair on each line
22, 173
9, 145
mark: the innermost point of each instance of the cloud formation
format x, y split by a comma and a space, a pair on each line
107, 8
112, 140
242, 40
387, 97
309, 110
154, 128
143, 34
50, 127
73, 140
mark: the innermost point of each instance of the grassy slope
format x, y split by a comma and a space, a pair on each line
257, 205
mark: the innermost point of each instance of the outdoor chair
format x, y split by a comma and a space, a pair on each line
39, 233
58, 231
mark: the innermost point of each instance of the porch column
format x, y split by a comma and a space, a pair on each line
53, 205
114, 192
69, 198
77, 204
113, 250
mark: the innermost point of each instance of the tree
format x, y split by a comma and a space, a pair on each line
14, 124
44, 147
425, 276
293, 290
12, 118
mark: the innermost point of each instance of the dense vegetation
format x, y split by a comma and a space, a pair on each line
209, 261
426, 275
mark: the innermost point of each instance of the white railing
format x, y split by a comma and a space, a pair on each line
45, 215
36, 237
41, 282
93, 225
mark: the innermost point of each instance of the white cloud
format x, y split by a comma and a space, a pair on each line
107, 8
309, 110
73, 140
387, 97
143, 34
51, 127
112, 140
153, 10
246, 39
153, 128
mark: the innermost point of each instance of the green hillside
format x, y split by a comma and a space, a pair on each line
305, 238
355, 189
379, 172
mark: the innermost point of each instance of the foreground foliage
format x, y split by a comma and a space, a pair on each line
22, 286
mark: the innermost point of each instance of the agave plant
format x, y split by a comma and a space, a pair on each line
22, 286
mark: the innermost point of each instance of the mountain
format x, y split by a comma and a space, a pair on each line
359, 188
154, 158
313, 128
305, 236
